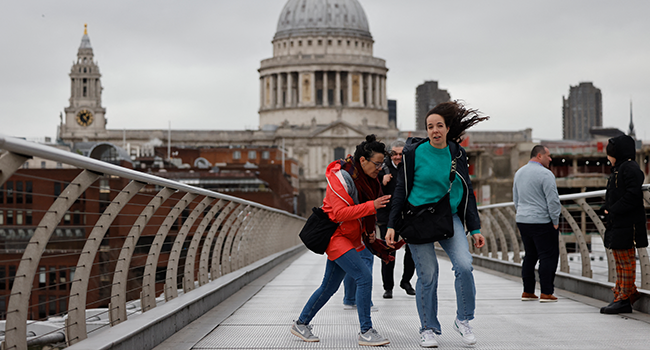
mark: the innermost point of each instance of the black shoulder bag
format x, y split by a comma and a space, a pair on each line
429, 222
318, 231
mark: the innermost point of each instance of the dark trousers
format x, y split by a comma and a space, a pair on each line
541, 242
387, 269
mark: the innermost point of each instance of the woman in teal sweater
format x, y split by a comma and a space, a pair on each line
423, 178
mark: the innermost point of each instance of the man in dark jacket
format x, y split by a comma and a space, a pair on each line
388, 177
626, 220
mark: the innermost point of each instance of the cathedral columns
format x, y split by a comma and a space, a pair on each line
337, 88
325, 89
289, 89
262, 79
377, 89
278, 90
312, 101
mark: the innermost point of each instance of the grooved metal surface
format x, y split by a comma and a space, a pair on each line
502, 320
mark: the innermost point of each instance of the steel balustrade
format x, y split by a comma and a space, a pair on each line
221, 234
497, 217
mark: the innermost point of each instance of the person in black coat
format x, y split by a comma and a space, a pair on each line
626, 220
388, 177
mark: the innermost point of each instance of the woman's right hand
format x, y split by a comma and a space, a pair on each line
390, 237
381, 201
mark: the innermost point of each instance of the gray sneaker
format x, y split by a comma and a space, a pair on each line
303, 331
372, 338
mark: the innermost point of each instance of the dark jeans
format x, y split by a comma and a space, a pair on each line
541, 243
387, 269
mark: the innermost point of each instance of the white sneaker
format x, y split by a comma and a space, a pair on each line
465, 331
374, 308
428, 339
349, 307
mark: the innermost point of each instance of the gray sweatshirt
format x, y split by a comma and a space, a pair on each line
535, 195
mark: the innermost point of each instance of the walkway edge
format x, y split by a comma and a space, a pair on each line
155, 326
576, 284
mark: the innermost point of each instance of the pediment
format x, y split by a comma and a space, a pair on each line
338, 129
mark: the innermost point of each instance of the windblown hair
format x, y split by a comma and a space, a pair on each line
368, 147
457, 118
538, 149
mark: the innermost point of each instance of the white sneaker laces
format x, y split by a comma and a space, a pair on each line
464, 326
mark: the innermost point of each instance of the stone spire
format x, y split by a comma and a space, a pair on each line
631, 130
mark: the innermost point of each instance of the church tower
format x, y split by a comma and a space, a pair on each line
85, 117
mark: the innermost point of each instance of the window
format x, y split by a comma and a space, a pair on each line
57, 188
292, 44
63, 282
59, 165
252, 154
19, 192
266, 154
339, 42
28, 217
356, 44
329, 42
2, 193
10, 217
299, 42
3, 276
10, 192
43, 166
41, 277
308, 42
236, 155
2, 217
19, 217
339, 153
28, 192
66, 219
320, 42
52, 278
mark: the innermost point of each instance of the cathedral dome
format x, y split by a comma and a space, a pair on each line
322, 17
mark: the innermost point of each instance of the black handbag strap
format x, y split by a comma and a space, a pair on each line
452, 174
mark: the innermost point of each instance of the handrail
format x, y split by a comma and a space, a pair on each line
240, 233
22, 147
498, 244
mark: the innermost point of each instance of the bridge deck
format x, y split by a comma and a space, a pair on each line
502, 320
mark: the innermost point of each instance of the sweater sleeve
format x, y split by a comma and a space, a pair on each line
552, 198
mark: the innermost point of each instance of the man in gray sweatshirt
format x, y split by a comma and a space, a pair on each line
538, 215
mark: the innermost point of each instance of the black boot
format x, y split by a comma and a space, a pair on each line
388, 294
407, 287
619, 307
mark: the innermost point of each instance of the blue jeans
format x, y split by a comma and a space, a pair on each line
426, 288
351, 264
350, 286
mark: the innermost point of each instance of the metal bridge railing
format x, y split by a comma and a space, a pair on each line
578, 224
90, 246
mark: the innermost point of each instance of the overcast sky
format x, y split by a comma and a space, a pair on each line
194, 63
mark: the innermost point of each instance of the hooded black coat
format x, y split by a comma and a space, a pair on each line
626, 221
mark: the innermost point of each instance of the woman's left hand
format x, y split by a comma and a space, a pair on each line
479, 240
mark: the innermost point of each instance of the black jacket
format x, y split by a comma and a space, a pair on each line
626, 221
384, 213
467, 211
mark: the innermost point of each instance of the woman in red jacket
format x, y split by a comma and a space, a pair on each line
352, 200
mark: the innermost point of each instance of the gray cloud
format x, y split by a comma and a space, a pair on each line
195, 63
